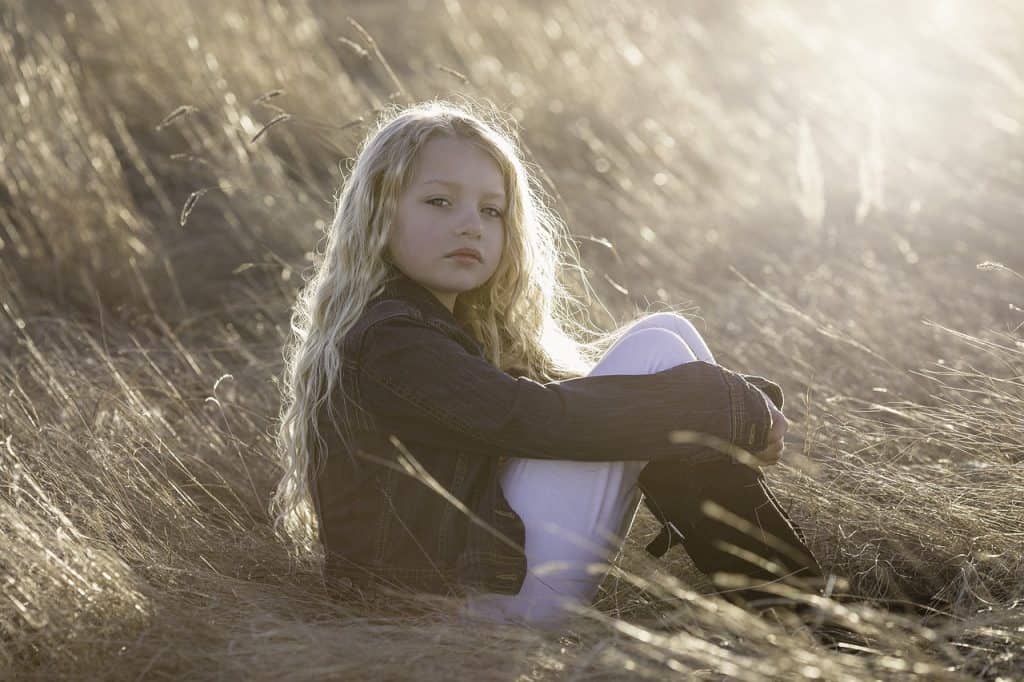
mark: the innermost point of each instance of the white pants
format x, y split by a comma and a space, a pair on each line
577, 513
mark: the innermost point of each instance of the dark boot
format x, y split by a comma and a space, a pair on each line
675, 493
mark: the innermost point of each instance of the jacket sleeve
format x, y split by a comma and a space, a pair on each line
424, 387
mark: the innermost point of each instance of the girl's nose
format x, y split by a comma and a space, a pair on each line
471, 222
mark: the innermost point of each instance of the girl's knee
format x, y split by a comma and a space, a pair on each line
681, 326
656, 339
646, 350
671, 321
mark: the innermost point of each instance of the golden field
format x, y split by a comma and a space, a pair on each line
832, 190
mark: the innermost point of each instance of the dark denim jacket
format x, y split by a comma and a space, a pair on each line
419, 376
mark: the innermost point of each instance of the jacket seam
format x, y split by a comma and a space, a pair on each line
734, 414
384, 524
446, 516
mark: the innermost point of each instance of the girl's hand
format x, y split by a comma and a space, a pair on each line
773, 450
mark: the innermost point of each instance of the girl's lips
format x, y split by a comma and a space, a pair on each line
466, 257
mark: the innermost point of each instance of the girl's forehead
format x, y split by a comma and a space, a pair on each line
456, 162
452, 154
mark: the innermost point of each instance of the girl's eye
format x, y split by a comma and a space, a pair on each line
497, 212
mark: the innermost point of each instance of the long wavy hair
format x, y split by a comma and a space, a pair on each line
526, 320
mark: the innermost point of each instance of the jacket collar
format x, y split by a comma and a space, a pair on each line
401, 286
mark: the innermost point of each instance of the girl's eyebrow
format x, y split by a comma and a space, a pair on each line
456, 184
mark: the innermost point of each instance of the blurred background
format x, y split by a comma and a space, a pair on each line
831, 189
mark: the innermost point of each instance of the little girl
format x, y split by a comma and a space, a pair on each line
442, 430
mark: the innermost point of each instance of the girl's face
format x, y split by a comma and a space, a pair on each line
454, 200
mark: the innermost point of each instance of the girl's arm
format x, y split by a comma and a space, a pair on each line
424, 387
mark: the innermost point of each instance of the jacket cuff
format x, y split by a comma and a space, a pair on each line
751, 418
770, 388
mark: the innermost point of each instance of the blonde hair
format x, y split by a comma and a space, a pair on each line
520, 315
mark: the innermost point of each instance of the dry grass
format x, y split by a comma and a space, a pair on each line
823, 183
